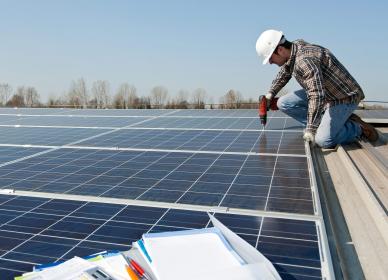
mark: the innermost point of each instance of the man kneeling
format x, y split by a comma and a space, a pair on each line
329, 95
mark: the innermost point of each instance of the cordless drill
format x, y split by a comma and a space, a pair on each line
264, 106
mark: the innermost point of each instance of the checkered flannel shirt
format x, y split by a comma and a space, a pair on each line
322, 76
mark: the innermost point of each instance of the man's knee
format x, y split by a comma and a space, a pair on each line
284, 104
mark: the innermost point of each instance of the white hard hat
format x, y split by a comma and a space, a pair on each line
267, 43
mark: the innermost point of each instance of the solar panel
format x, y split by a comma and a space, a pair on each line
216, 113
252, 123
33, 111
373, 114
221, 160
70, 121
85, 112
202, 140
237, 181
8, 153
44, 135
118, 112
39, 230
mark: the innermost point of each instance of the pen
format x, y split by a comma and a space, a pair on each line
137, 267
131, 273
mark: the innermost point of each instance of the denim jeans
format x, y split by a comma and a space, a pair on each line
335, 127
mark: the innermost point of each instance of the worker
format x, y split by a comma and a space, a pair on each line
329, 96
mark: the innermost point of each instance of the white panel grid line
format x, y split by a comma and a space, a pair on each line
178, 206
26, 157
273, 173
129, 127
148, 150
139, 116
327, 265
60, 126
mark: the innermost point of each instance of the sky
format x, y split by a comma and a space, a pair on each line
186, 44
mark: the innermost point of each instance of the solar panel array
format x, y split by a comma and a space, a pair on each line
374, 115
160, 170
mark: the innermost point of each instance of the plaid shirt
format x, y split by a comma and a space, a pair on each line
323, 77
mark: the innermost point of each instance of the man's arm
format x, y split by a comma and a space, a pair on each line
313, 81
280, 81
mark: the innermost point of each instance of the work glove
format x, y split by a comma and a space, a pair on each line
309, 137
269, 97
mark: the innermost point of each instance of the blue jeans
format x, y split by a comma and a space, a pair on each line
335, 127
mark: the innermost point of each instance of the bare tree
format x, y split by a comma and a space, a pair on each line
158, 96
222, 103
78, 95
17, 100
210, 102
180, 101
100, 90
5, 93
199, 98
126, 95
233, 99
119, 101
144, 103
73, 99
132, 98
249, 104
182, 98
54, 101
31, 97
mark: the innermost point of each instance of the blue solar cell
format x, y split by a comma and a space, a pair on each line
118, 192
30, 223
209, 187
244, 202
208, 199
8, 154
11, 269
257, 190
302, 206
177, 185
161, 195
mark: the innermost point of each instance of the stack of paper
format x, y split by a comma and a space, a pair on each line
174, 255
206, 254
107, 266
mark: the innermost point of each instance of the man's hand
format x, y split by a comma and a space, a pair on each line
309, 137
268, 96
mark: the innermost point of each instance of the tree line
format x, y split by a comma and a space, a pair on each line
99, 96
